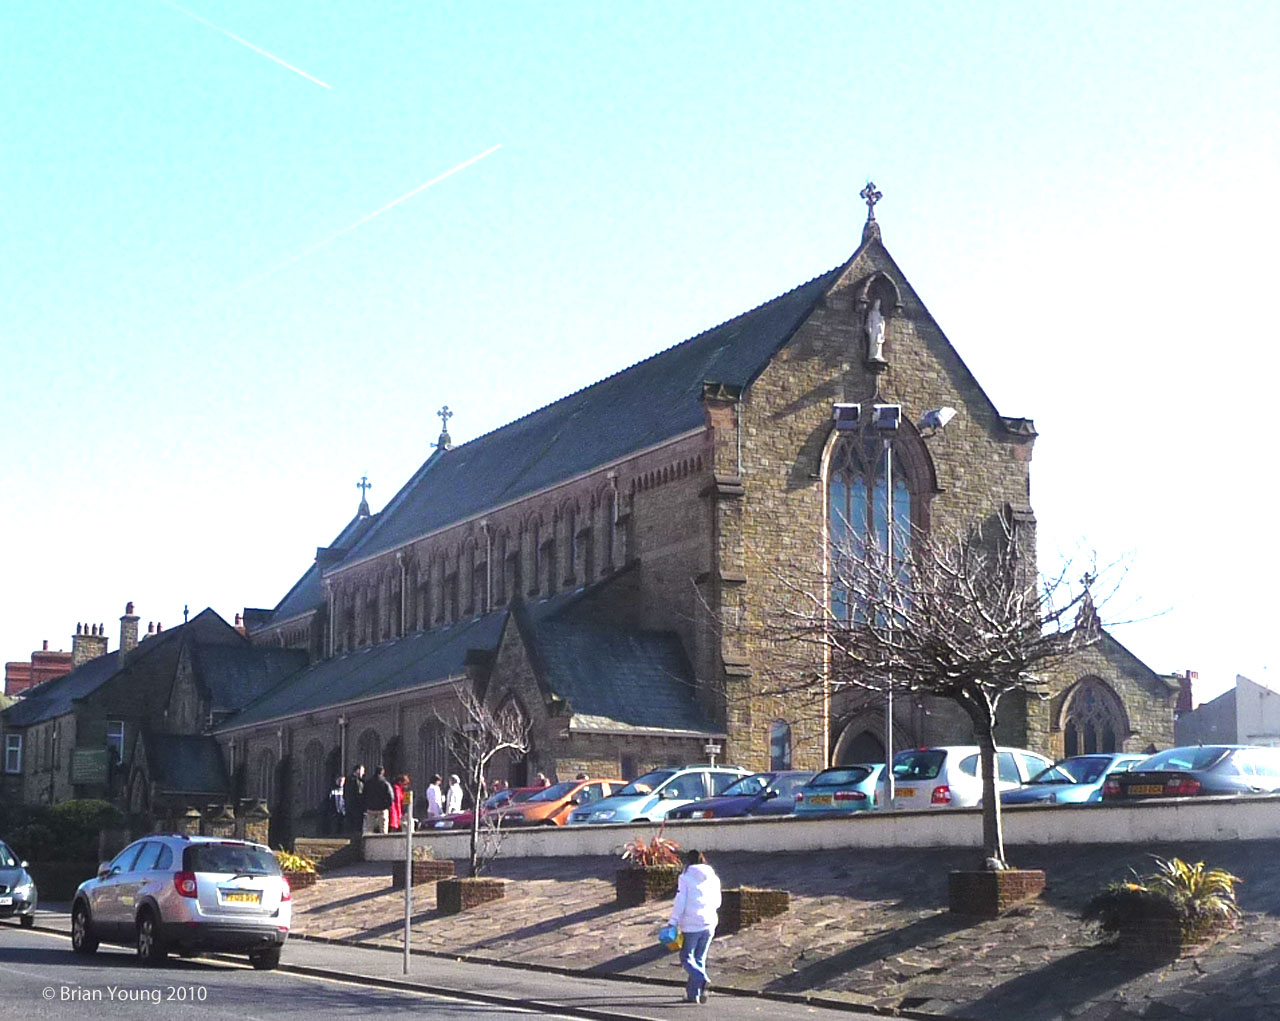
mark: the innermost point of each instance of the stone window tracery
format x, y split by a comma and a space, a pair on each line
1093, 720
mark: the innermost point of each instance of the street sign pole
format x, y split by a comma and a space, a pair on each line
407, 823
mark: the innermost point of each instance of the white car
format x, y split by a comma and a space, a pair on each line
950, 776
172, 892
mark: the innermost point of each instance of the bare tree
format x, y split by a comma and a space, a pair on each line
476, 735
962, 617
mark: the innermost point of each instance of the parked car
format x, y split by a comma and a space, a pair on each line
494, 803
650, 797
1195, 770
551, 806
18, 896
1074, 781
173, 892
842, 790
757, 794
950, 777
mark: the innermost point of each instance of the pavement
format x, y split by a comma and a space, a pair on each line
868, 933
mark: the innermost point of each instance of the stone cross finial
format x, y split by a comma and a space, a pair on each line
445, 442
870, 196
364, 485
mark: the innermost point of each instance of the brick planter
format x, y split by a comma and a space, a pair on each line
1163, 939
460, 894
301, 880
638, 886
745, 906
991, 894
429, 871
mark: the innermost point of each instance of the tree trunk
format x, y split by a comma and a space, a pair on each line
992, 826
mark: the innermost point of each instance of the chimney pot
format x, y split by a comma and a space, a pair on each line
46, 645
128, 607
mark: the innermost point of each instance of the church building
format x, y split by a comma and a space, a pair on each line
589, 562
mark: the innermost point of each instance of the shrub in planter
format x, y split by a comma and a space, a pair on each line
1176, 908
297, 868
651, 872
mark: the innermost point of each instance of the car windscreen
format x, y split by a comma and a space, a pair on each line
555, 792
1183, 758
648, 783
1081, 769
840, 777
7, 860
748, 785
233, 859
918, 764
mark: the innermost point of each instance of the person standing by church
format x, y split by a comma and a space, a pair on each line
378, 797
435, 798
398, 788
355, 800
453, 796
336, 807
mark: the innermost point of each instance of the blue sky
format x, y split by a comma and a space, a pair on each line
1083, 194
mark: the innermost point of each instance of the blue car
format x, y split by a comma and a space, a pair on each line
757, 794
1074, 781
650, 797
841, 790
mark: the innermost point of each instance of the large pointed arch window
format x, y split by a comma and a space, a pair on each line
1093, 720
869, 507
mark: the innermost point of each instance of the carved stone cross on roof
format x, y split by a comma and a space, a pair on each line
870, 196
364, 485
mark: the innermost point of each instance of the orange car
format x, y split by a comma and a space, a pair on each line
551, 805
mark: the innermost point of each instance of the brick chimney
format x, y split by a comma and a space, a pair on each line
128, 631
1184, 703
89, 642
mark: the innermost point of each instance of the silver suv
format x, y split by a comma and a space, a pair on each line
171, 892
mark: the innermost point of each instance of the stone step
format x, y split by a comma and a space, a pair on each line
328, 852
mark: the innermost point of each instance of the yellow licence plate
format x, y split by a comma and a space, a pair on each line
1146, 788
821, 799
241, 897
905, 792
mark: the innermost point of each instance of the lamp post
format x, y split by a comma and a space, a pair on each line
885, 420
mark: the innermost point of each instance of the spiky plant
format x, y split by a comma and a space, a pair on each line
658, 851
1198, 899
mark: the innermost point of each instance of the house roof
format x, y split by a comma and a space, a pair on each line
235, 675
186, 764
55, 698
649, 403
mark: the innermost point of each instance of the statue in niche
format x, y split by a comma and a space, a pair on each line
875, 332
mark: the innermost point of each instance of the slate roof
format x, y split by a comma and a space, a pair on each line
55, 698
186, 764
237, 674
618, 680
380, 669
652, 401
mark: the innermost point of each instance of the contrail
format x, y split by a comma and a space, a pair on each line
245, 42
365, 219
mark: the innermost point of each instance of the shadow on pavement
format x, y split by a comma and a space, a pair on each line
550, 925
1052, 991
626, 962
872, 951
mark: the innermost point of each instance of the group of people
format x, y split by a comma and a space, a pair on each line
362, 804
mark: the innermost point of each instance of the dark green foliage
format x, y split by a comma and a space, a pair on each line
67, 832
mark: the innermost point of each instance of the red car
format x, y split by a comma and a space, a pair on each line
497, 803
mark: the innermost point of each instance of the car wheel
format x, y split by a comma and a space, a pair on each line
28, 921
83, 939
265, 960
151, 949
641, 819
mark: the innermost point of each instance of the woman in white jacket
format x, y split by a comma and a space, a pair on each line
695, 913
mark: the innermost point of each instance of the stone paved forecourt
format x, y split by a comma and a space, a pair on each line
865, 927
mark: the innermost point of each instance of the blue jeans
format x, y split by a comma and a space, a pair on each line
693, 955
